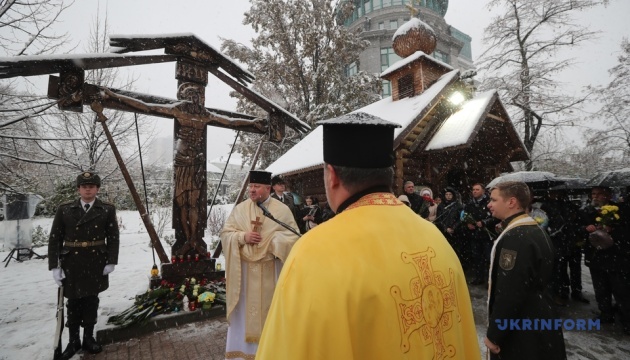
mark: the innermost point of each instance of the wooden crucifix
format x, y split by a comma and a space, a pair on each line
194, 60
190, 196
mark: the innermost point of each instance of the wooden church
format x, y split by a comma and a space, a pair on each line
450, 135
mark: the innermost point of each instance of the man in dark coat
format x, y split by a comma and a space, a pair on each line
415, 200
563, 229
278, 185
82, 251
477, 230
609, 266
448, 221
521, 269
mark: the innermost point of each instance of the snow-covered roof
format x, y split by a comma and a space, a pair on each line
358, 118
409, 59
308, 153
213, 169
458, 128
235, 159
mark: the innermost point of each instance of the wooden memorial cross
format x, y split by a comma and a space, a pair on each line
194, 60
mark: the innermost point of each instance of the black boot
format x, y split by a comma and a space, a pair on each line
89, 343
74, 344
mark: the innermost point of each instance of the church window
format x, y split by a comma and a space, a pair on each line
405, 86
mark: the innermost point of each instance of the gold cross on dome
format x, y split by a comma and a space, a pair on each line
411, 8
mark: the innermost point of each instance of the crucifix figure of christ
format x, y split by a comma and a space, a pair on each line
189, 163
194, 61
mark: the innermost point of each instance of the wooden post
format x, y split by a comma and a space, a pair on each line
144, 215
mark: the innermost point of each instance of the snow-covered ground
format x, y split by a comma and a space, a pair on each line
28, 301
28, 292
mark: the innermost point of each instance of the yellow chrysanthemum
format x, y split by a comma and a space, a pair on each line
617, 216
604, 211
598, 219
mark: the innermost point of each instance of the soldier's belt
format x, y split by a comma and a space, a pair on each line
83, 243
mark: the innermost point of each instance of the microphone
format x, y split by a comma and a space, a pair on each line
265, 211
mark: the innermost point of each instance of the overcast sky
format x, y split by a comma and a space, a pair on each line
212, 20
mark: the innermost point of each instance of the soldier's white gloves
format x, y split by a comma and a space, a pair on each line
58, 275
108, 269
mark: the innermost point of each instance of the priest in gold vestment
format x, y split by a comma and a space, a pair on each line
255, 248
376, 281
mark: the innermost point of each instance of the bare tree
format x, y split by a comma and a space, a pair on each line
521, 61
87, 148
615, 109
92, 151
27, 26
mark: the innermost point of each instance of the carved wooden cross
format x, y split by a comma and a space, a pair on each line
195, 59
257, 224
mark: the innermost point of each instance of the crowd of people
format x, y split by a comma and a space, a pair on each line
588, 226
307, 214
297, 289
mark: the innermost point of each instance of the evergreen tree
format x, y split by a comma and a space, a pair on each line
299, 57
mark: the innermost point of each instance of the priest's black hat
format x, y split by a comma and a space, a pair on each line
359, 140
260, 177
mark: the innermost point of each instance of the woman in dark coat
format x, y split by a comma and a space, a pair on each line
448, 220
311, 213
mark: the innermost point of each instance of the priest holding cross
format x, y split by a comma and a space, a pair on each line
255, 248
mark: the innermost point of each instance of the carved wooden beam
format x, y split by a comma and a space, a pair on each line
91, 92
289, 120
33, 65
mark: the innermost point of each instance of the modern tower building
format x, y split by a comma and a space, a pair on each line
378, 20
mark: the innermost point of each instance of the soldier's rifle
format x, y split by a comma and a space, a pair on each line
59, 327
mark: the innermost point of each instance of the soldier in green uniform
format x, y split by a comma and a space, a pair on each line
82, 251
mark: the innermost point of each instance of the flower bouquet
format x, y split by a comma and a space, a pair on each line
606, 218
169, 298
608, 215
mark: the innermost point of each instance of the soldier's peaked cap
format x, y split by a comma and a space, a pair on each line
88, 177
359, 140
277, 180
